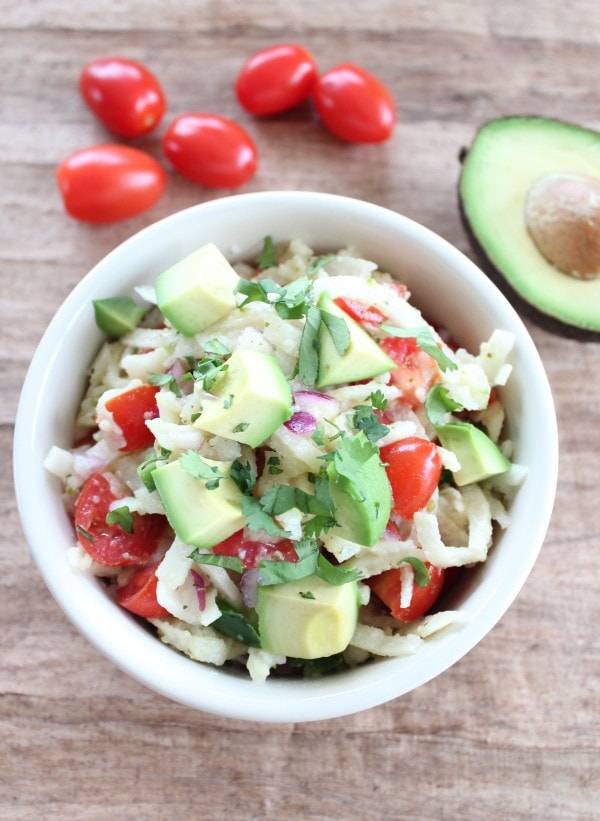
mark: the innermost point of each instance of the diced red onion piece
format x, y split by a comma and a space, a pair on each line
312, 402
302, 423
249, 587
177, 371
84, 464
200, 585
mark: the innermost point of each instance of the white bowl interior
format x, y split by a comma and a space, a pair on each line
444, 284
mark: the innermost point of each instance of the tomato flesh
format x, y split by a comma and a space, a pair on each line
210, 150
123, 94
388, 587
107, 183
413, 467
415, 373
275, 79
354, 104
252, 552
138, 595
131, 410
109, 544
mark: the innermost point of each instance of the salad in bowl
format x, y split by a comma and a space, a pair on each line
282, 466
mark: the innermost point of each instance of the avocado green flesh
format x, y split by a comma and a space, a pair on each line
506, 157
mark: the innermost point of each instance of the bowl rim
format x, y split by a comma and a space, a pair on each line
157, 666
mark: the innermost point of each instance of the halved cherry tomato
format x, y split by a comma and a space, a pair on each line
139, 594
109, 544
275, 79
252, 552
107, 183
131, 410
387, 586
354, 104
210, 150
413, 467
123, 94
415, 373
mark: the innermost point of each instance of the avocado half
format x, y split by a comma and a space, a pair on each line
508, 155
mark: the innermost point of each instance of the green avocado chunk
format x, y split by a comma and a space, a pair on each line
364, 359
200, 516
250, 401
525, 172
308, 618
360, 491
479, 457
197, 291
117, 315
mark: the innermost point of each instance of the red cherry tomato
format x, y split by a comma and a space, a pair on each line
388, 587
276, 79
354, 104
139, 594
130, 410
413, 467
211, 150
252, 552
124, 95
110, 544
415, 373
107, 183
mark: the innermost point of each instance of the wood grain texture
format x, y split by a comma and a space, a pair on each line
512, 730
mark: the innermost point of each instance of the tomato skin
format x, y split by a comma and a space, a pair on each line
363, 314
354, 104
276, 79
387, 587
252, 552
123, 94
107, 183
130, 410
210, 150
138, 595
109, 544
413, 467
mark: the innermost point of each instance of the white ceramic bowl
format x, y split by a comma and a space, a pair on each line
444, 284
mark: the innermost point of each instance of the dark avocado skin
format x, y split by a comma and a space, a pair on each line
523, 306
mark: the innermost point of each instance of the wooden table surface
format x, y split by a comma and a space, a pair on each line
512, 730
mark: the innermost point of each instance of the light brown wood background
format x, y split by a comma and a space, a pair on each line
512, 731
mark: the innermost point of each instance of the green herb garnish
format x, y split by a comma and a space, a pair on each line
121, 516
425, 340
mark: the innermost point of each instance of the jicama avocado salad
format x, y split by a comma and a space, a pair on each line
281, 466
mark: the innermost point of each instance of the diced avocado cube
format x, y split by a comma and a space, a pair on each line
479, 457
117, 315
307, 619
364, 359
250, 401
197, 291
360, 491
200, 516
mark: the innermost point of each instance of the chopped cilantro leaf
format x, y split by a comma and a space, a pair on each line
364, 418
243, 476
378, 400
83, 532
121, 516
214, 346
308, 363
306, 594
258, 519
233, 623
268, 256
318, 263
206, 371
227, 403
241, 427
334, 574
425, 341
319, 435
194, 464
228, 562
338, 330
438, 404
165, 380
420, 569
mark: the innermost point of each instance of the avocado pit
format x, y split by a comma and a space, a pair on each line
562, 213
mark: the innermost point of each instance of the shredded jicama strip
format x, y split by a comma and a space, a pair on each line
478, 513
375, 641
198, 642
